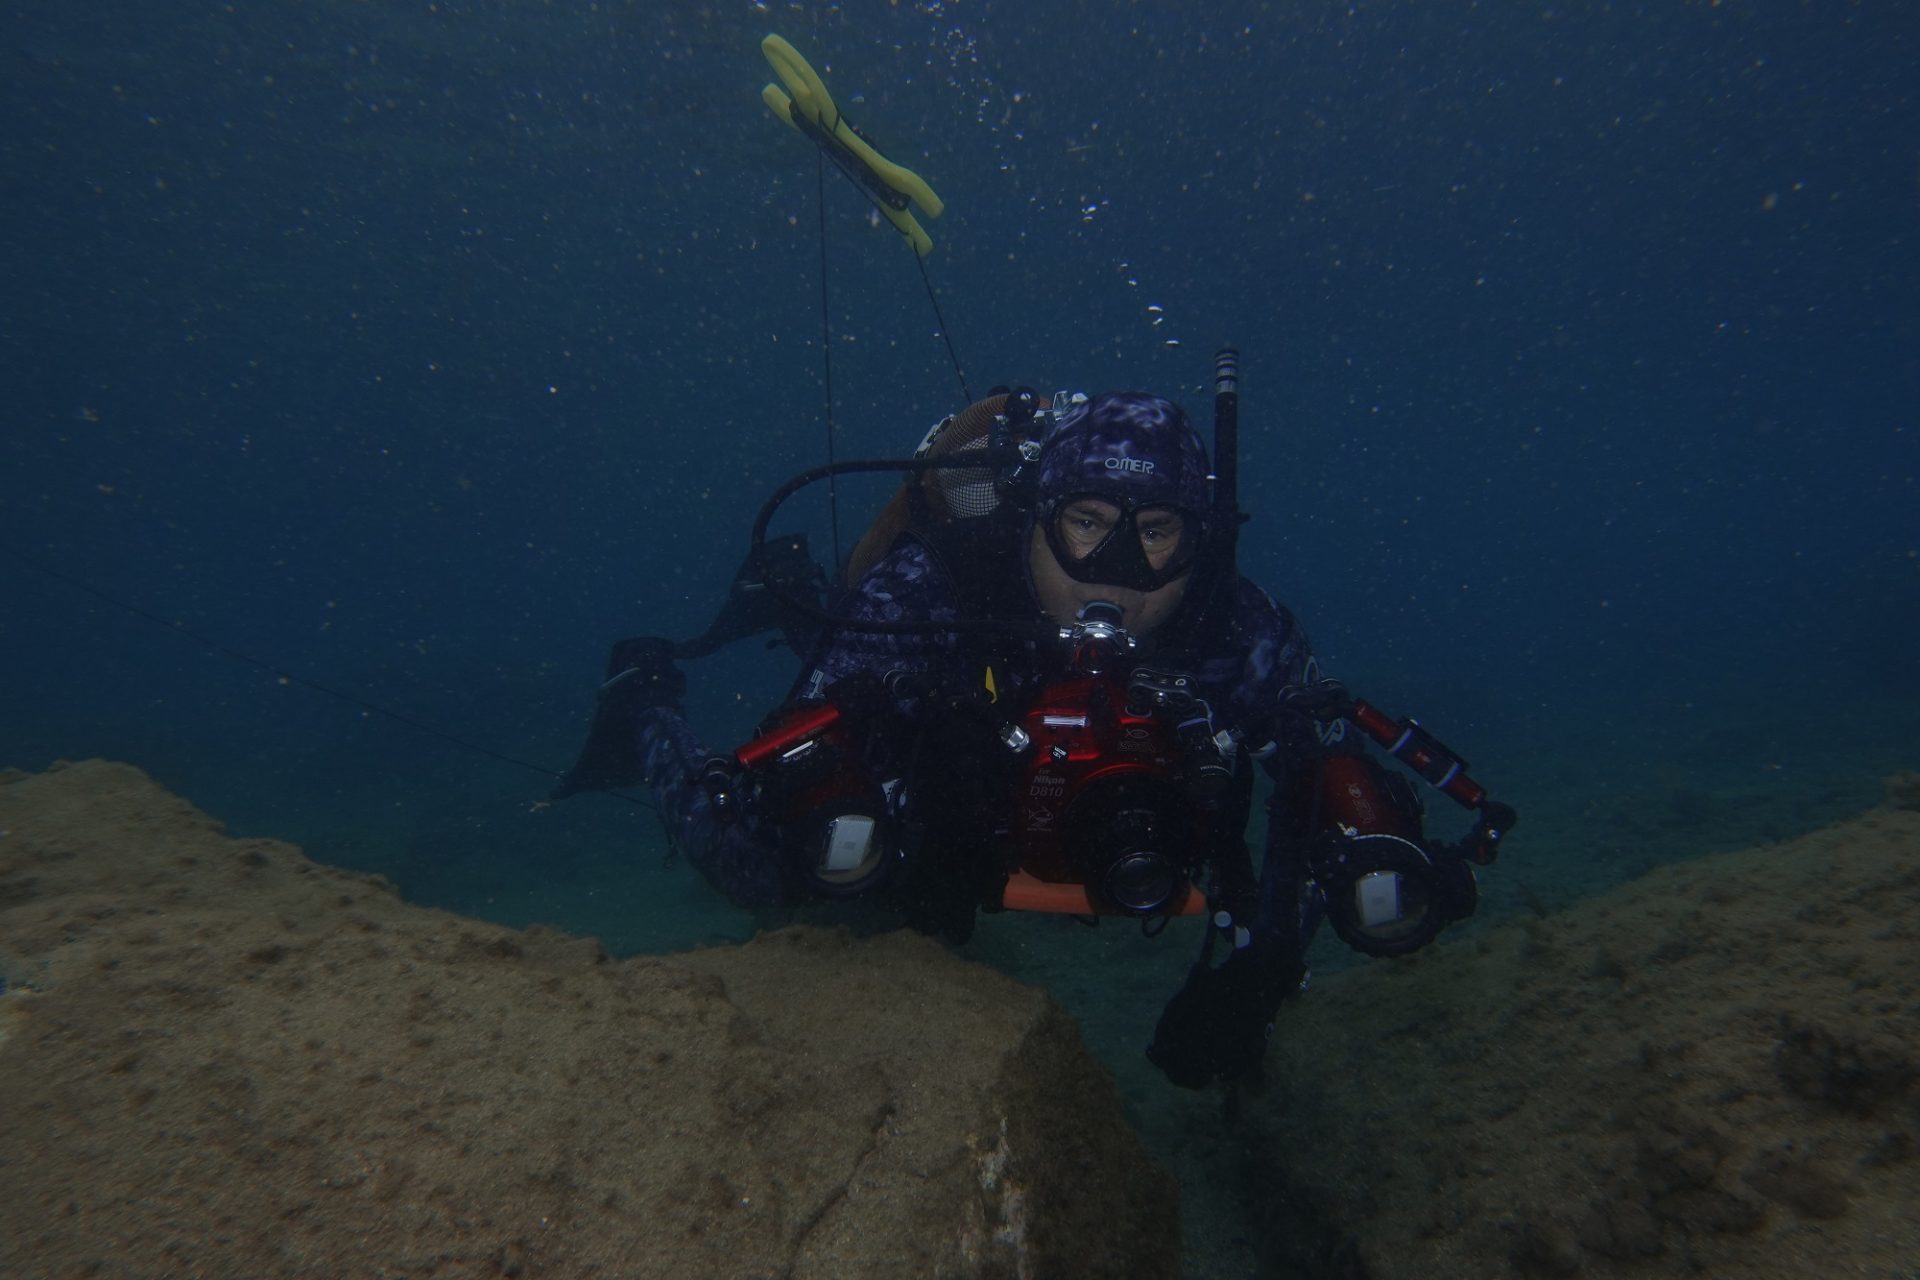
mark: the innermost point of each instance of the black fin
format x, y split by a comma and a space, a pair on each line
751, 608
607, 759
610, 756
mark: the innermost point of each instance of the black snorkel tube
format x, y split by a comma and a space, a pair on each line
1217, 574
1226, 457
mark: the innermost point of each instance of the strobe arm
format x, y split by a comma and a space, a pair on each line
1409, 742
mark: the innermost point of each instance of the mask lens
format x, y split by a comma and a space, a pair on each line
1101, 542
1161, 531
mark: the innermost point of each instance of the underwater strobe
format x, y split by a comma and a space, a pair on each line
1386, 894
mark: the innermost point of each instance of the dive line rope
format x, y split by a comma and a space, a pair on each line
946, 335
826, 347
821, 156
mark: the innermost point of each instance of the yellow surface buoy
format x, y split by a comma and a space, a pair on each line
807, 106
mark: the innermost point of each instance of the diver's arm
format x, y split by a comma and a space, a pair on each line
744, 854
741, 858
1327, 795
905, 585
640, 735
1216, 1025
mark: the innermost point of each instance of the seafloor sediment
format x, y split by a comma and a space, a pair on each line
220, 1058
1712, 1070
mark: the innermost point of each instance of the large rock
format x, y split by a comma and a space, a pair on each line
1713, 1070
217, 1057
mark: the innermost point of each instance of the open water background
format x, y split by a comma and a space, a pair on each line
421, 349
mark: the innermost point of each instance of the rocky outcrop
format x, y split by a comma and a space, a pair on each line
1713, 1070
219, 1057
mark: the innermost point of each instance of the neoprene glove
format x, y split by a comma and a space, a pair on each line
1215, 1027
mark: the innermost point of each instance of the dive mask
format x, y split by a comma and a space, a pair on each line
1139, 546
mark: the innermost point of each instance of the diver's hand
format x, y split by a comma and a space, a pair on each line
1216, 1025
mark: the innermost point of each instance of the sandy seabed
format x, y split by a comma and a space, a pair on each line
221, 1058
1711, 1070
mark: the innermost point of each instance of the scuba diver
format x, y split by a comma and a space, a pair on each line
1047, 688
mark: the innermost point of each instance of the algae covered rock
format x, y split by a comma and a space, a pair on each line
1714, 1069
219, 1056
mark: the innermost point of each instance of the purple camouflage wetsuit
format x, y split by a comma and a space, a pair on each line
1261, 653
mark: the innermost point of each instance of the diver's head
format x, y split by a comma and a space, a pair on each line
1121, 510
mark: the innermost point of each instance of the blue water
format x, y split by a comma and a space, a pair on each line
421, 350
